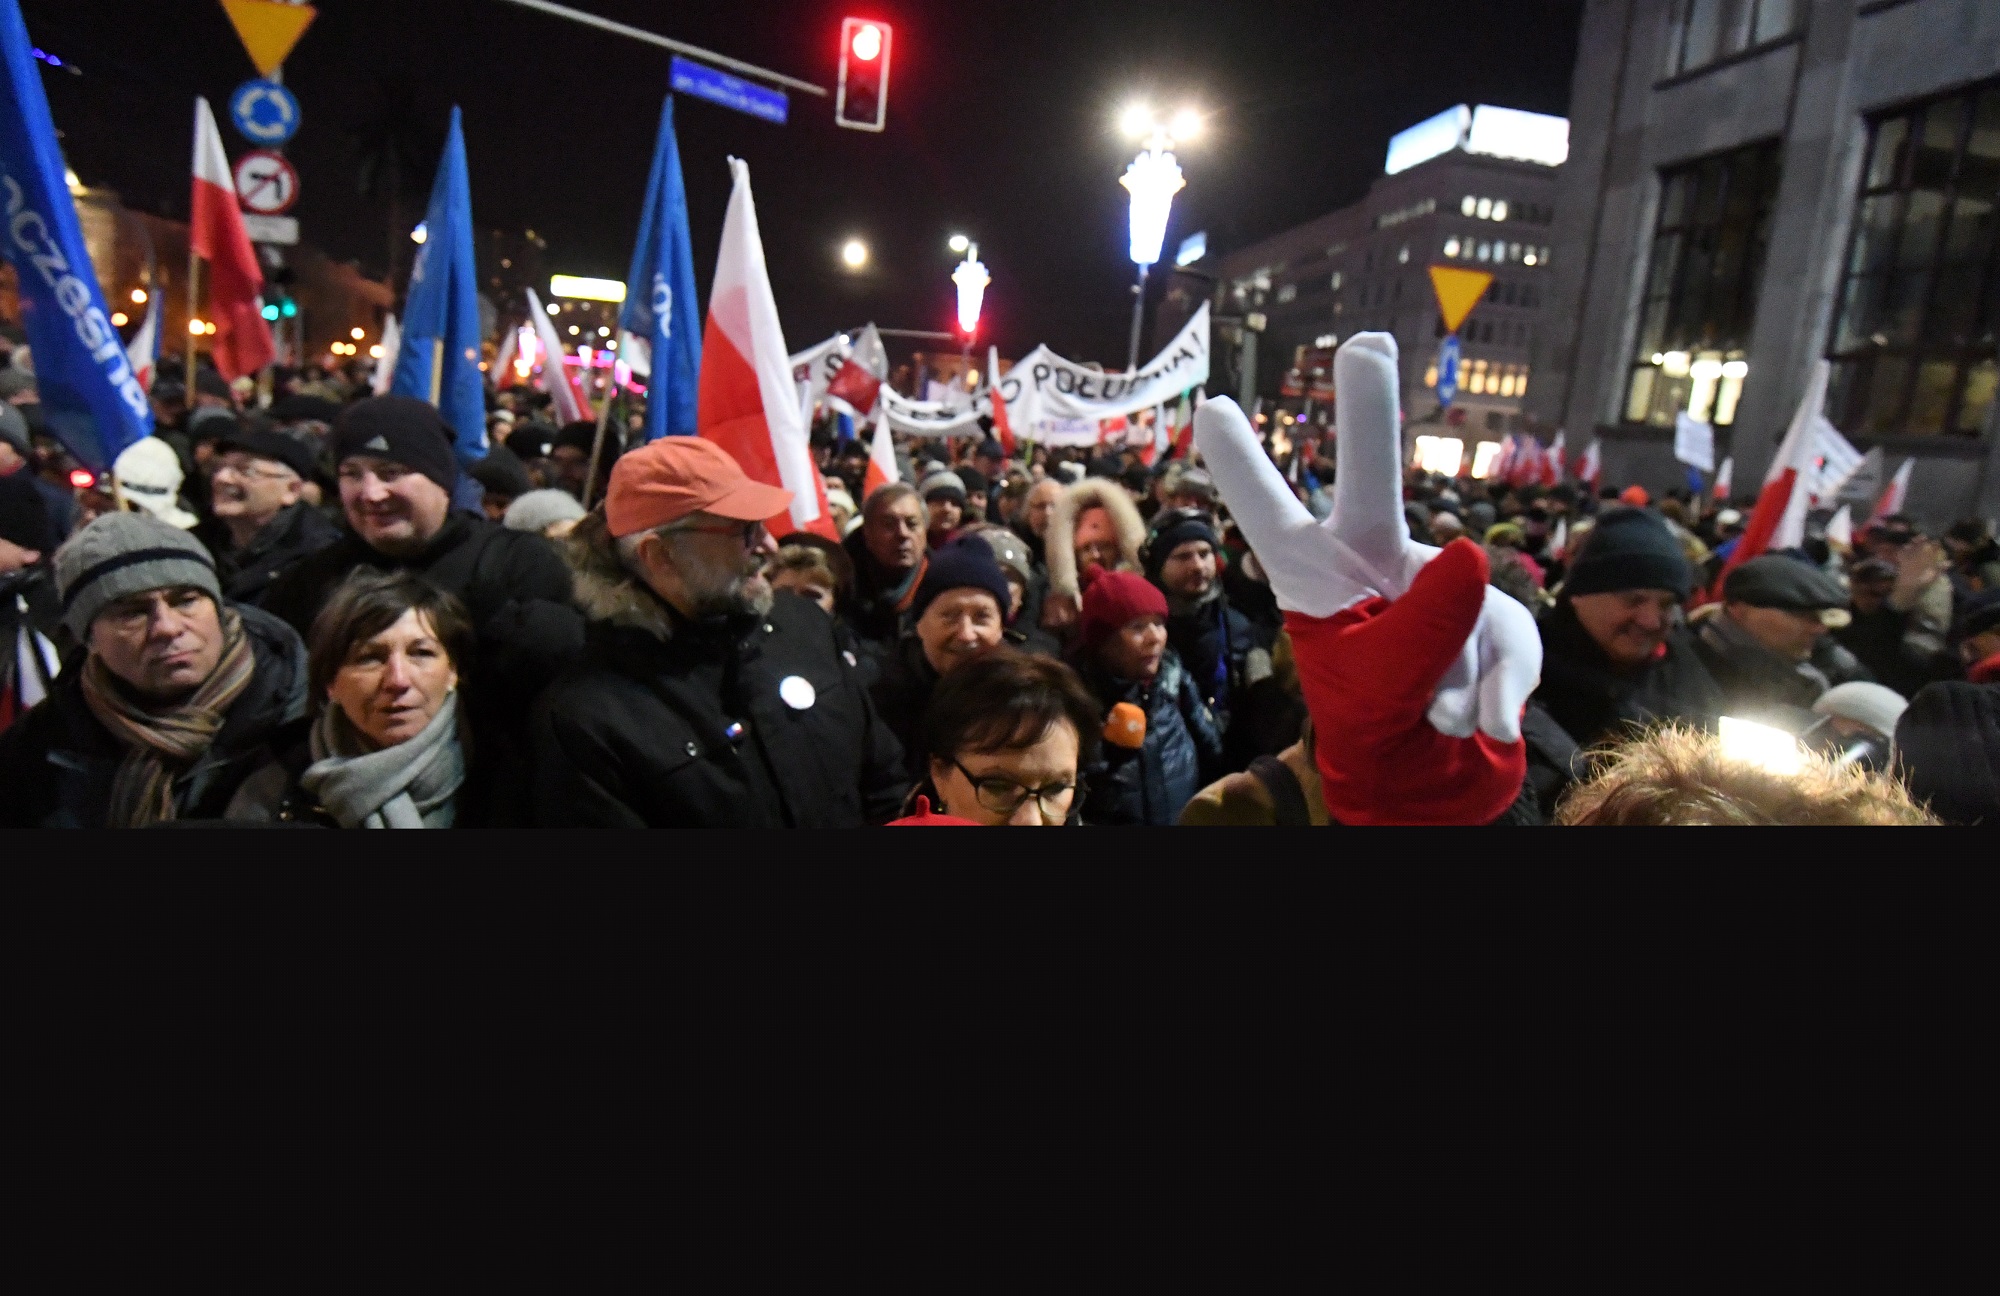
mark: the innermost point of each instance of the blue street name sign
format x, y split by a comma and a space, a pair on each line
264, 112
1447, 371
731, 92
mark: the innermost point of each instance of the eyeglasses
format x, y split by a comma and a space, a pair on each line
1003, 796
747, 533
246, 468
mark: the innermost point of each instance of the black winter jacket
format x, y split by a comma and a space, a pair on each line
296, 533
1182, 753
738, 723
58, 763
1214, 642
1594, 701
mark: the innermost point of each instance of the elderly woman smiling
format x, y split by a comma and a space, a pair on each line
386, 748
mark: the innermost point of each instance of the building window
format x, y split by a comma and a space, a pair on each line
1913, 341
1709, 30
1287, 293
1701, 287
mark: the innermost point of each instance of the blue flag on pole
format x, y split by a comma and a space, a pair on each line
659, 292
91, 399
439, 360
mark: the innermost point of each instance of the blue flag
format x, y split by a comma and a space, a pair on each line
1694, 479
91, 399
659, 292
439, 360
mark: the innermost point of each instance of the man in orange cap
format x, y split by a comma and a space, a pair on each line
703, 698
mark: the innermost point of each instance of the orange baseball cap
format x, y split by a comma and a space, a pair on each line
678, 475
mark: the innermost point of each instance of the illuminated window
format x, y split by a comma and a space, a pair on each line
1513, 251
1440, 454
1431, 376
1700, 291
1913, 343
1483, 457
1335, 285
1708, 30
1468, 206
1451, 247
1485, 209
1403, 255
1500, 209
1287, 292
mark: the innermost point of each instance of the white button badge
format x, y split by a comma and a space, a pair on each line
797, 692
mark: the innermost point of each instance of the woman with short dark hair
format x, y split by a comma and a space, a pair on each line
387, 746
1007, 737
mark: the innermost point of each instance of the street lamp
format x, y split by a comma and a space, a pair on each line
1153, 178
971, 278
958, 242
854, 254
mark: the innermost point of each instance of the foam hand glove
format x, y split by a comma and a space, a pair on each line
1414, 668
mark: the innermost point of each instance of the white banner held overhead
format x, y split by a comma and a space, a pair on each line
1694, 442
926, 418
1043, 388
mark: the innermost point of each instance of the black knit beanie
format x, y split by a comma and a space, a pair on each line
1630, 549
401, 429
1172, 530
965, 563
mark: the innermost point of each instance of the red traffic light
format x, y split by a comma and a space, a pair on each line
862, 101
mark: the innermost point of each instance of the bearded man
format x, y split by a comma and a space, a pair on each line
703, 699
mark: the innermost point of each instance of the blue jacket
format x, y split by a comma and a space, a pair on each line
1181, 755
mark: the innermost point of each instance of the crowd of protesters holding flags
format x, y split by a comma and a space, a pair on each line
303, 611
279, 592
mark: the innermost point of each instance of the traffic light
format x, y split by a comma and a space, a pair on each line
862, 102
270, 310
288, 308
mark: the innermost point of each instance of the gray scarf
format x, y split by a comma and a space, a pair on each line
410, 785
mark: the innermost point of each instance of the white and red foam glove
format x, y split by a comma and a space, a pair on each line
1414, 668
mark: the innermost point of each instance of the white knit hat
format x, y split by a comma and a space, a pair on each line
1873, 705
149, 474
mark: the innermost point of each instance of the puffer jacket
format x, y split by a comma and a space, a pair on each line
737, 722
57, 764
1182, 752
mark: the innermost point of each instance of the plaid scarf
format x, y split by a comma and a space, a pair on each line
161, 745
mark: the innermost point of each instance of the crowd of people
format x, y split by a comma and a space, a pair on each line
297, 606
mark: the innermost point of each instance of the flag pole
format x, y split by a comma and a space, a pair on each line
597, 443
194, 313
437, 372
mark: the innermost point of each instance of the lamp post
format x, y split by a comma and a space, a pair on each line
1153, 178
971, 279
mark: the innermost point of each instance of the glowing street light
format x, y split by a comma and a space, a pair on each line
854, 254
958, 242
1153, 178
971, 278
138, 296
357, 333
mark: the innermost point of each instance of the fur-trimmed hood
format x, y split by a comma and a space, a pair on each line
1060, 546
604, 589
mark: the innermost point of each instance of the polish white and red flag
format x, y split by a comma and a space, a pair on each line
747, 401
570, 405
1779, 519
881, 461
1503, 463
143, 351
1552, 462
1590, 465
1894, 494
215, 234
1725, 478
1526, 468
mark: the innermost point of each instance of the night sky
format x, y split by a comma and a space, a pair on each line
1000, 126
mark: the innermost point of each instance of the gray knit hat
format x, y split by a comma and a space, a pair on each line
942, 482
127, 553
538, 510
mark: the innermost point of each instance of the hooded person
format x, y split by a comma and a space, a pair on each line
1616, 655
702, 698
960, 613
1161, 742
260, 524
1095, 527
150, 475
179, 696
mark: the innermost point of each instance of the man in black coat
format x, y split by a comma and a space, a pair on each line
1948, 738
703, 699
179, 696
1615, 654
1217, 645
394, 458
1767, 645
260, 525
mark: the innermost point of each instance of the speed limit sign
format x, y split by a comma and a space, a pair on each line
266, 182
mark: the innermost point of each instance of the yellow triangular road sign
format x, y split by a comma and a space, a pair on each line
1458, 291
268, 29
